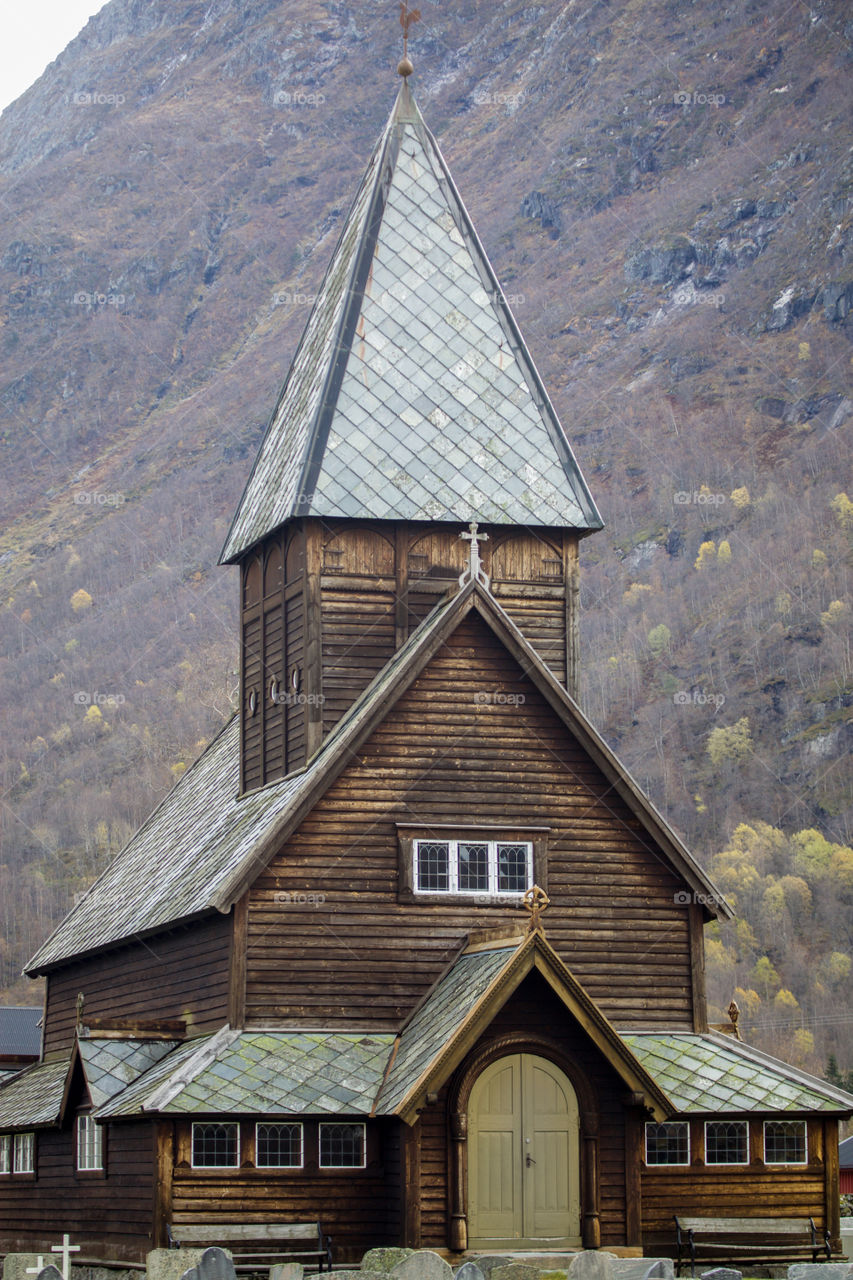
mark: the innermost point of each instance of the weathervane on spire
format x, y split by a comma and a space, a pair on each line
407, 18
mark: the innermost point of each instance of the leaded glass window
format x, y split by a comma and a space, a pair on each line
342, 1146
668, 1143
90, 1144
278, 1146
486, 868
726, 1142
216, 1146
784, 1141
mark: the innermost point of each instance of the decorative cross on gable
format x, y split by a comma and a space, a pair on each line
535, 901
66, 1249
475, 570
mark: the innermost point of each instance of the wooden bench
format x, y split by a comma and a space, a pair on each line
255, 1244
746, 1239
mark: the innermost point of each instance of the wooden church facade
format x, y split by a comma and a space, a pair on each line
406, 950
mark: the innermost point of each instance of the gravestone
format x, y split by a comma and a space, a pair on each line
489, 1261
22, 1266
287, 1271
50, 1272
722, 1273
422, 1265
214, 1264
384, 1259
469, 1271
643, 1269
820, 1271
515, 1271
592, 1264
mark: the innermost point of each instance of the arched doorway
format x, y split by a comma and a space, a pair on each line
524, 1174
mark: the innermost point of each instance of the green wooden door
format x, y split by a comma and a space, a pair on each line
523, 1155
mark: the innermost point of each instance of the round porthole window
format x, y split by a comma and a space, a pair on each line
273, 690
253, 701
295, 679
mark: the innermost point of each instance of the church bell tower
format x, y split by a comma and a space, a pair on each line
412, 408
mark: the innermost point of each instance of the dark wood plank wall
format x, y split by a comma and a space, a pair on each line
444, 756
753, 1190
182, 974
108, 1216
359, 1208
358, 639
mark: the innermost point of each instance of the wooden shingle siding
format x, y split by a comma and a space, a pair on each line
108, 1217
182, 974
446, 756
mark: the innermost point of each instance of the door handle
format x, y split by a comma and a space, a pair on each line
530, 1161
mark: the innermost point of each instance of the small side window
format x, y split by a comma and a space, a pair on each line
216, 1146
5, 1153
726, 1142
668, 1143
90, 1145
785, 1142
342, 1146
25, 1153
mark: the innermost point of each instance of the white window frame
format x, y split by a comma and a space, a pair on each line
24, 1160
197, 1124
667, 1164
353, 1124
727, 1163
5, 1153
492, 893
775, 1163
90, 1145
292, 1123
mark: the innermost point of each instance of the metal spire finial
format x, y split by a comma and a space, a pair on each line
407, 18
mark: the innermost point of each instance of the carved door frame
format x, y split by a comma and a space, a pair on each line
458, 1099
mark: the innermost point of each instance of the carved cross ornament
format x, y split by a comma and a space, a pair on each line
475, 571
535, 901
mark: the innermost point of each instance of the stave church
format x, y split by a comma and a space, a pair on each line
406, 952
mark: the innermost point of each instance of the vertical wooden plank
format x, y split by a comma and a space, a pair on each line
164, 1164
237, 968
634, 1132
313, 683
571, 577
831, 1197
697, 968
411, 1189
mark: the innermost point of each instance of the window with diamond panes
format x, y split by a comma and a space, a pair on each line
25, 1153
216, 1146
278, 1146
479, 867
784, 1142
5, 1153
342, 1146
726, 1142
90, 1145
668, 1143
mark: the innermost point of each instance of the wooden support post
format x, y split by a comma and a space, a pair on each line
458, 1226
831, 1176
411, 1139
591, 1221
313, 682
633, 1175
697, 967
237, 967
164, 1163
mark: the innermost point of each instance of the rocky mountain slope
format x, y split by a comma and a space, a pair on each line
665, 191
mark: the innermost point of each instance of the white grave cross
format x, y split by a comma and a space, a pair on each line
34, 1271
66, 1249
475, 569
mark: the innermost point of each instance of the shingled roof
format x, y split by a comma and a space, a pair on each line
412, 394
205, 844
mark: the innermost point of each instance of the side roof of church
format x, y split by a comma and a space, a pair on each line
412, 395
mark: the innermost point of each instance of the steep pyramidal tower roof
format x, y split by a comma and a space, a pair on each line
412, 395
